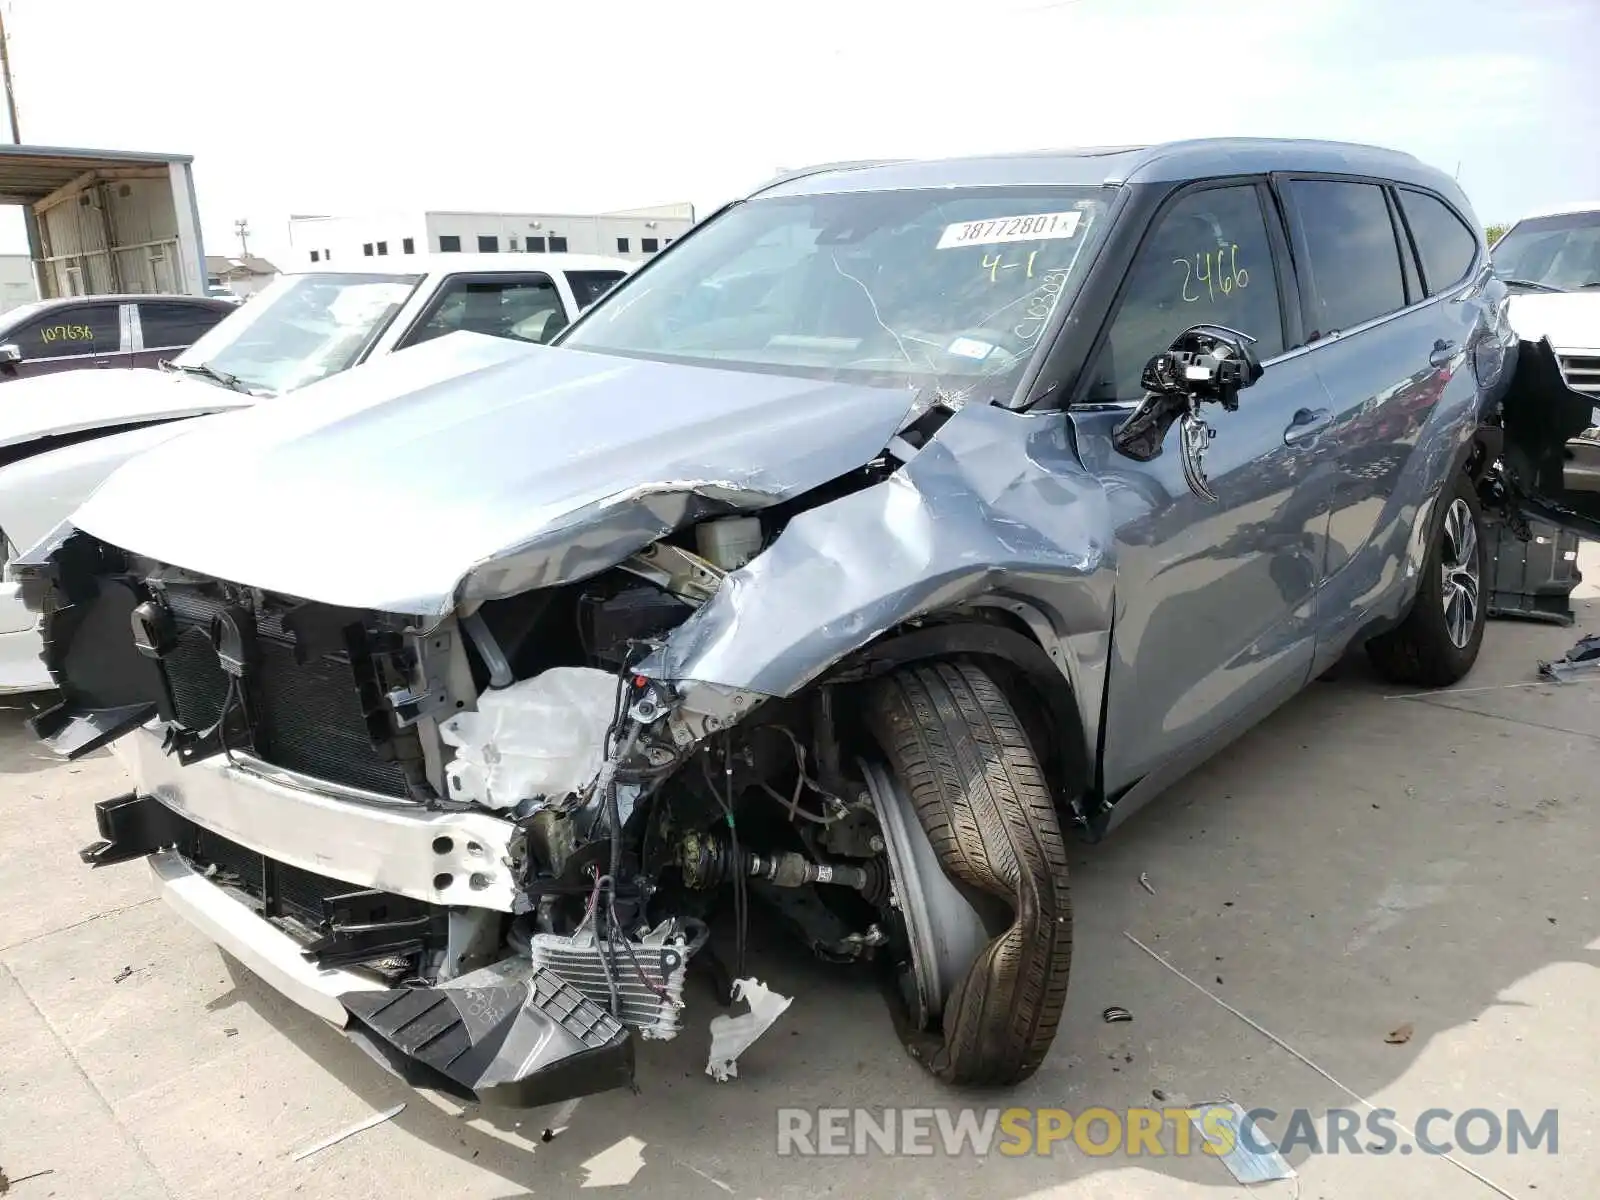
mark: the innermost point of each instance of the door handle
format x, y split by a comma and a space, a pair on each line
1307, 424
1443, 351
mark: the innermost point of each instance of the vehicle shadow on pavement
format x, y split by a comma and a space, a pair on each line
21, 753
1364, 861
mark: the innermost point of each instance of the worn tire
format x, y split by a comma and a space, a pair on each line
1421, 651
955, 743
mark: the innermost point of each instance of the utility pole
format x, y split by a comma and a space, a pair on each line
242, 228
5, 73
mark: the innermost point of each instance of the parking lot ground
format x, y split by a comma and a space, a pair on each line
1359, 863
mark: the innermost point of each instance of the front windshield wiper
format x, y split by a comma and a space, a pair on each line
207, 371
1533, 284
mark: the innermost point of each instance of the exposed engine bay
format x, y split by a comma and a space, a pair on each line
612, 828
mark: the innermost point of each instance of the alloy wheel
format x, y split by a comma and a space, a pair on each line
1458, 565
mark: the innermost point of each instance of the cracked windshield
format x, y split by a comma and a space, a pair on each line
949, 286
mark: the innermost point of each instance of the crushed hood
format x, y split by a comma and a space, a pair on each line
1571, 320
471, 468
63, 402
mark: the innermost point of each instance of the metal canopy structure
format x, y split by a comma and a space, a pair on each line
106, 220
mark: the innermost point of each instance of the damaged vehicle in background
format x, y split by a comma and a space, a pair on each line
898, 522
1550, 262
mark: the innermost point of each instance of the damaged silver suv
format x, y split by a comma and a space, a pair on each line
900, 520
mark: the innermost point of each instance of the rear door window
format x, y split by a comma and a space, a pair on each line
1353, 267
1207, 258
589, 286
80, 330
1444, 243
169, 326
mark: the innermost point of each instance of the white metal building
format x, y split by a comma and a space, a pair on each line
106, 221
635, 234
17, 284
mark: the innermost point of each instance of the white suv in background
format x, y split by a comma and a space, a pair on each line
1551, 263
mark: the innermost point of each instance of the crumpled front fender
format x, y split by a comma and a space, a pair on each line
996, 502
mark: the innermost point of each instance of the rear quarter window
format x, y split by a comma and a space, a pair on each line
589, 286
1446, 246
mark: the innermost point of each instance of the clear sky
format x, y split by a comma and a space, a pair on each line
350, 106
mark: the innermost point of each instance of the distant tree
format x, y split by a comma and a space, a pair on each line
1495, 233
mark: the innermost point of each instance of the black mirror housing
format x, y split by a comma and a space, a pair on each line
1207, 362
1204, 364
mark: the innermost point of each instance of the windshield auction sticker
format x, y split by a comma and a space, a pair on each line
994, 230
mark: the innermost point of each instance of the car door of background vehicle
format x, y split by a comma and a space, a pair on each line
165, 328
1215, 601
524, 305
66, 339
1387, 340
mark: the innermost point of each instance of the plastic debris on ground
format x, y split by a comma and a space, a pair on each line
1582, 660
1243, 1148
732, 1036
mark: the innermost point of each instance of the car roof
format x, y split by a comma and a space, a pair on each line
121, 298
444, 263
1562, 210
1169, 162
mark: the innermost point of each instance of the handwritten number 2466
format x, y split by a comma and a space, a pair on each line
1219, 271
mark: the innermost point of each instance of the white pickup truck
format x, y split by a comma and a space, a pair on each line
62, 434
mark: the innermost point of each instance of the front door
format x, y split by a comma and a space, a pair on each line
65, 339
1215, 599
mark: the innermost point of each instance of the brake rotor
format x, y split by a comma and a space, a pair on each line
946, 933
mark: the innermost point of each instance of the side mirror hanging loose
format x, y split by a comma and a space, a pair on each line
1206, 364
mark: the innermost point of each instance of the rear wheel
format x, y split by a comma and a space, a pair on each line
980, 873
1440, 639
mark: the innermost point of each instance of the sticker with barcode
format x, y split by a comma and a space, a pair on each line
994, 230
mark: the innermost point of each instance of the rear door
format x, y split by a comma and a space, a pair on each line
525, 306
1392, 297
72, 337
165, 328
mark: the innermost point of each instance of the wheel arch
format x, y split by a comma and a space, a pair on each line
1042, 687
